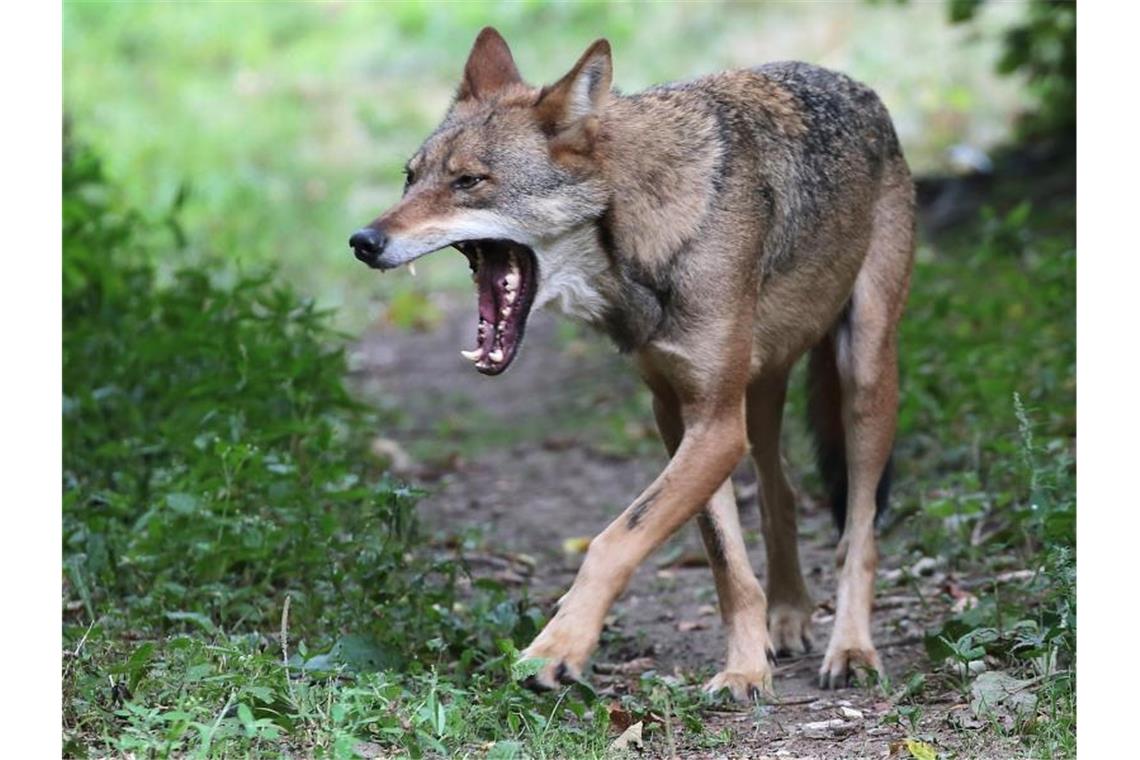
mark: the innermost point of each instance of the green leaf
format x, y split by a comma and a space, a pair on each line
245, 715
182, 503
197, 618
508, 750
525, 668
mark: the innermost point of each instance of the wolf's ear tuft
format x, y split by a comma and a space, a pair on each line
580, 93
489, 68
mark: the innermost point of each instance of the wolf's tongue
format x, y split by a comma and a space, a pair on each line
492, 270
504, 277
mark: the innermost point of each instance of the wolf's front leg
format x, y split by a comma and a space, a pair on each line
743, 606
713, 443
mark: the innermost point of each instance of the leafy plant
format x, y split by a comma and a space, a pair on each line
213, 474
1043, 48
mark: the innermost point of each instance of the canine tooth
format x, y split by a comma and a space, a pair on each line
506, 310
496, 356
473, 355
412, 268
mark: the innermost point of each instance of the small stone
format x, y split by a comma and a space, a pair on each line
925, 566
826, 729
850, 713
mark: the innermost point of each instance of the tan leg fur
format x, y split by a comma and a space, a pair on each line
747, 672
789, 604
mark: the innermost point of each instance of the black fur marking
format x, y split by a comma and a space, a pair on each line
883, 489
844, 322
606, 235
639, 304
641, 507
833, 469
826, 424
714, 539
593, 75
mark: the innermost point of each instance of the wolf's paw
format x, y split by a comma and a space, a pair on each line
561, 656
744, 687
552, 674
844, 662
789, 627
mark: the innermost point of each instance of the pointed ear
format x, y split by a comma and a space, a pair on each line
489, 68
580, 93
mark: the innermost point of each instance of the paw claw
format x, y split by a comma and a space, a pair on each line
790, 629
744, 687
553, 675
844, 664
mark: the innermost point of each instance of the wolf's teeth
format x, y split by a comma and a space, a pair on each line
473, 355
506, 310
496, 356
412, 268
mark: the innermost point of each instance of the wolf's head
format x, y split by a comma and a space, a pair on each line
510, 179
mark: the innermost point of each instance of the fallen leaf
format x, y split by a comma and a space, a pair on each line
920, 750
692, 559
684, 626
576, 545
631, 735
620, 718
559, 443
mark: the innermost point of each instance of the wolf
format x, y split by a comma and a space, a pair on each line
717, 230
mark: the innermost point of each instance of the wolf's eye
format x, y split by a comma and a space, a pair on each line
409, 177
466, 182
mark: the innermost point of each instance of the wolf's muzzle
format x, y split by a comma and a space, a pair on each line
368, 245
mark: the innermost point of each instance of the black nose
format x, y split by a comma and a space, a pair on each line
368, 244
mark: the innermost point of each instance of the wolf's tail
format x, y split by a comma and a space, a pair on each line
825, 418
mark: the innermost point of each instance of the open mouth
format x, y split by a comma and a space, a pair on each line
505, 275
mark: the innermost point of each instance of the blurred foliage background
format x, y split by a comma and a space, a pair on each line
282, 127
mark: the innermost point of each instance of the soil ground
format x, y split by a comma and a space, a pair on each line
515, 458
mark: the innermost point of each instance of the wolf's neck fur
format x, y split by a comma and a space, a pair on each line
586, 280
574, 268
615, 273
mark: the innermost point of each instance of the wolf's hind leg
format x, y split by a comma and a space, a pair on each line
747, 671
866, 354
789, 603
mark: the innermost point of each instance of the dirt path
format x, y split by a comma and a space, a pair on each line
524, 459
